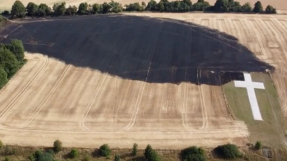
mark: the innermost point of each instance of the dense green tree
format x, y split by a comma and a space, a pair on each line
151, 6
3, 77
71, 10
5, 13
258, 7
37, 154
46, 157
74, 153
246, 8
96, 8
32, 9
134, 7
57, 146
188, 2
44, 10
228, 151
200, 5
83, 9
115, 7
176, 6
168, 6
160, 6
135, 149
221, 6
8, 62
9, 65
269, 9
150, 154
258, 145
147, 151
105, 150
106, 7
186, 5
154, 156
1, 144
41, 156
17, 48
143, 5
18, 9
117, 158
193, 154
234, 6
59, 8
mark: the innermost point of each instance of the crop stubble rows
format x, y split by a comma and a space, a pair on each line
267, 39
52, 97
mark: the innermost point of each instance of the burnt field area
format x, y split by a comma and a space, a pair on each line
139, 48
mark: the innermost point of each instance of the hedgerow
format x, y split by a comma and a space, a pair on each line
59, 9
228, 151
11, 59
193, 154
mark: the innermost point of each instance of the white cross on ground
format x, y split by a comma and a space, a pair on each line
250, 86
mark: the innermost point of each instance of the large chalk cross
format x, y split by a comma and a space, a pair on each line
250, 86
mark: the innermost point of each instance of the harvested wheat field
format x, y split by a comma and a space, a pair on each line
122, 79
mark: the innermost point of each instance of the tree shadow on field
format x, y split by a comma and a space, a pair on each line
139, 48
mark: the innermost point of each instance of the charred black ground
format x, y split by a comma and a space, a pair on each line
139, 48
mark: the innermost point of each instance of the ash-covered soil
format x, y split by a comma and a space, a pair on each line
138, 48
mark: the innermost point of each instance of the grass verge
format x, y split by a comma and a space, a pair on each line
270, 131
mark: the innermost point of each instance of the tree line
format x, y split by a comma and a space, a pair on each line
11, 59
200, 5
19, 10
192, 153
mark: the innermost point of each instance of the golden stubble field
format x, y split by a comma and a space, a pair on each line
37, 108
48, 99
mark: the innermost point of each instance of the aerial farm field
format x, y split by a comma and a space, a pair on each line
6, 4
146, 79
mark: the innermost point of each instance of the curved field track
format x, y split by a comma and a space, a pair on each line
86, 106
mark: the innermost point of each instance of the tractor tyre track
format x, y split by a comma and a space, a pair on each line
25, 88
131, 123
47, 96
82, 122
